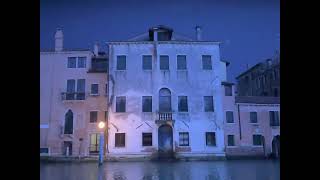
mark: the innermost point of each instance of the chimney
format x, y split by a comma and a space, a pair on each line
96, 49
58, 40
198, 33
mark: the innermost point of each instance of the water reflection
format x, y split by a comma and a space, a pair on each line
220, 170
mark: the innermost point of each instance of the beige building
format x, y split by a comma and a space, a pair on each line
73, 98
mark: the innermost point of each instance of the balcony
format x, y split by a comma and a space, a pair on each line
164, 117
98, 65
73, 96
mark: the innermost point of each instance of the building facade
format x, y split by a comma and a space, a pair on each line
253, 129
166, 97
73, 98
263, 79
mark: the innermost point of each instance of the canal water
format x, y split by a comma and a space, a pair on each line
196, 170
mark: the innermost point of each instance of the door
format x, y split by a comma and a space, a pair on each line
165, 139
67, 148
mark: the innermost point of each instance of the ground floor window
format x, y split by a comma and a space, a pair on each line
120, 139
230, 140
183, 139
146, 139
94, 143
257, 140
211, 138
44, 150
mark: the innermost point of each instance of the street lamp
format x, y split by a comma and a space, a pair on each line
101, 126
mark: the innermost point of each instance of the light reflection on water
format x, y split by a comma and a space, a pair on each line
205, 170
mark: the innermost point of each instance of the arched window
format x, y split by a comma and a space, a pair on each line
164, 100
68, 122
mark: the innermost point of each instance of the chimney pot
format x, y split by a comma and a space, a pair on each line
198, 33
58, 40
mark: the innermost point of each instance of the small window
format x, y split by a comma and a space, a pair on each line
229, 117
94, 143
181, 62
274, 118
146, 139
95, 89
71, 88
81, 84
105, 115
106, 91
230, 140
120, 140
121, 62
228, 90
208, 104
44, 150
257, 140
121, 104
183, 139
183, 104
146, 103
206, 62
82, 62
93, 116
253, 117
72, 61
68, 122
211, 138
164, 62
147, 62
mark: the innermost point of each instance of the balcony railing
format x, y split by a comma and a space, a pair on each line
73, 96
165, 116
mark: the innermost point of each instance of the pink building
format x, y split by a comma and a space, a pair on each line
251, 125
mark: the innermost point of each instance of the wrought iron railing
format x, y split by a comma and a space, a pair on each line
73, 96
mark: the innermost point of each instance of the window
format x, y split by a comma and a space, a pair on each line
121, 104
183, 103
274, 118
229, 117
71, 86
257, 140
210, 138
72, 62
181, 62
121, 62
81, 89
206, 62
230, 140
44, 150
93, 116
95, 89
146, 103
164, 100
146, 139
82, 62
208, 104
228, 90
68, 122
94, 143
164, 62
183, 139
253, 117
147, 62
105, 115
120, 140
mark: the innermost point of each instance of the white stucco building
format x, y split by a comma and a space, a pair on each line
166, 96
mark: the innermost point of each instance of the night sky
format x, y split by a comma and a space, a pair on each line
249, 29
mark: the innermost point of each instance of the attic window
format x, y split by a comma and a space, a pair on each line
163, 36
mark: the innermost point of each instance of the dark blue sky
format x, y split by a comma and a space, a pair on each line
250, 29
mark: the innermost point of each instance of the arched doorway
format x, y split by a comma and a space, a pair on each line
165, 140
276, 146
164, 100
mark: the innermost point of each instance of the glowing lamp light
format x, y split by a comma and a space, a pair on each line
101, 125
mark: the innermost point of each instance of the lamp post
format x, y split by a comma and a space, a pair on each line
101, 126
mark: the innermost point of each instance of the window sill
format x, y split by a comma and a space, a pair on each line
94, 94
231, 146
164, 70
120, 70
184, 146
182, 70
230, 123
122, 147
147, 70
258, 146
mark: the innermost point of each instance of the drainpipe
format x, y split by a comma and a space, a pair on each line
239, 121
